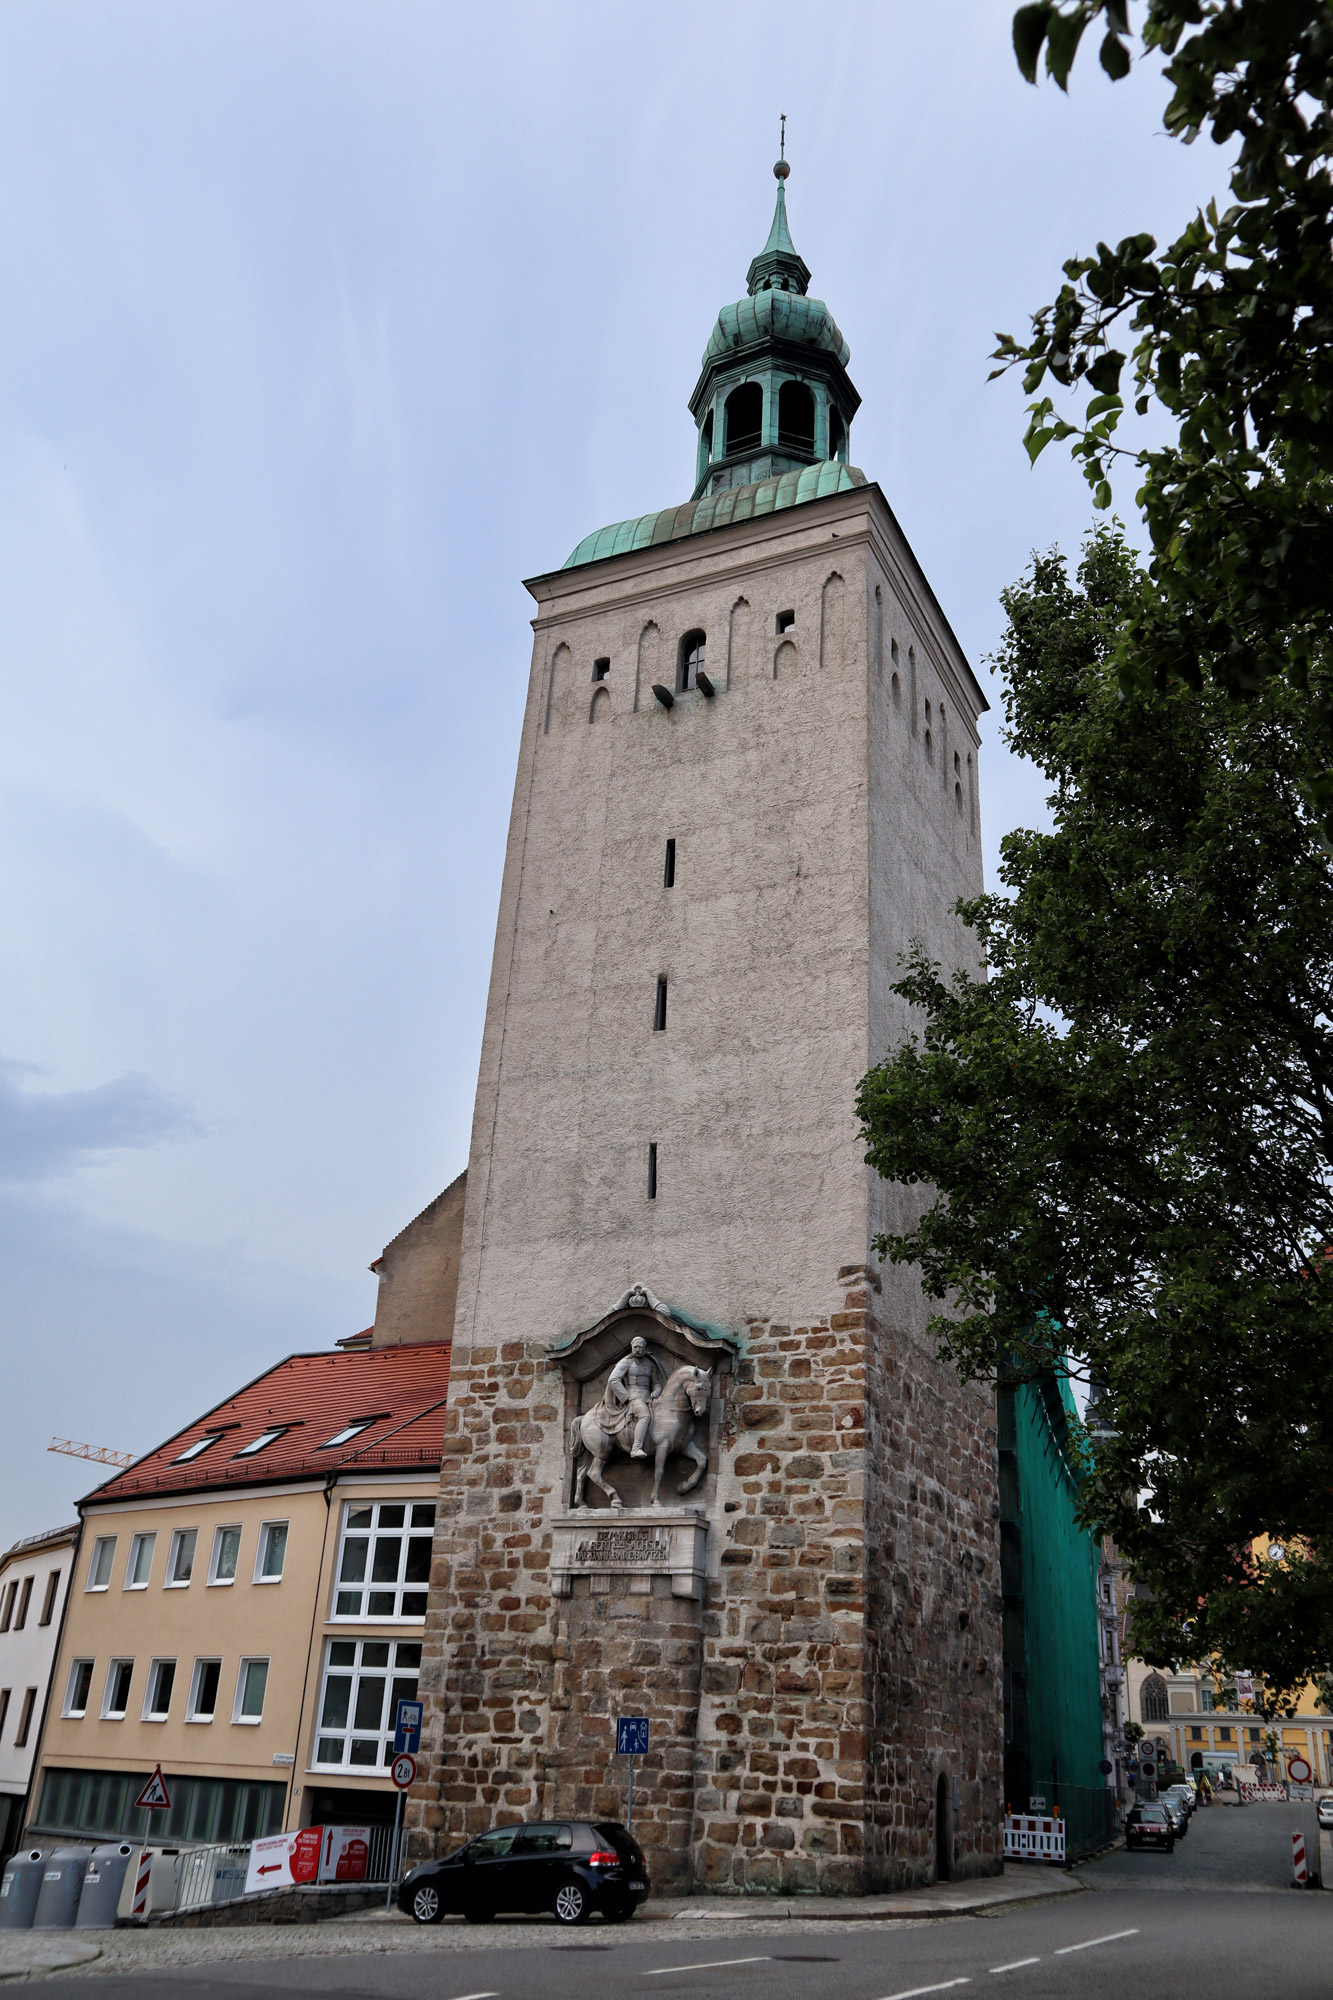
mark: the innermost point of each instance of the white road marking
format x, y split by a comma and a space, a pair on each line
1016, 1965
911, 1992
708, 1965
478, 1996
1088, 1943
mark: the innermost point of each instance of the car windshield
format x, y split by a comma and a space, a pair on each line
1151, 1815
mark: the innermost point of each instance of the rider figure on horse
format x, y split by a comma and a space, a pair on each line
633, 1382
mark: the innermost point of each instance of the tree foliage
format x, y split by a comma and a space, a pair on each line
1128, 1126
1228, 332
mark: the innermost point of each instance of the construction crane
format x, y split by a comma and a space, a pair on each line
101, 1454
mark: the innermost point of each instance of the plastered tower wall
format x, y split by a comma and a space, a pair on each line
826, 1708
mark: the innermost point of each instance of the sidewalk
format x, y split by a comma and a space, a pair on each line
25, 1954
1021, 1882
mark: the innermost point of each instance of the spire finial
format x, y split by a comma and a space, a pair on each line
781, 170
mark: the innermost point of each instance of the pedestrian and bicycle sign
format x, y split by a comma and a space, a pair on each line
407, 1728
631, 1736
154, 1796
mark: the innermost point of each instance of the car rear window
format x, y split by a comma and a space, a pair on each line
618, 1837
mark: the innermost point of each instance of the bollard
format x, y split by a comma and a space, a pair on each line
1298, 1860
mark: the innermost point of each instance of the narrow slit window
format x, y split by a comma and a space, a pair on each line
49, 1601
785, 621
600, 669
652, 1170
659, 1007
669, 872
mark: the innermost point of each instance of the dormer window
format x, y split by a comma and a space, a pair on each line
690, 661
262, 1442
195, 1450
348, 1432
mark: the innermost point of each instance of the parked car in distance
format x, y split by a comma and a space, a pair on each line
572, 1868
1324, 1810
1150, 1826
1176, 1813
1184, 1794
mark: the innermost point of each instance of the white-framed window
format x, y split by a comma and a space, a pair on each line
384, 1559
251, 1685
349, 1431
364, 1681
226, 1555
99, 1563
161, 1681
78, 1687
140, 1565
180, 1562
197, 1449
262, 1442
116, 1697
203, 1702
271, 1554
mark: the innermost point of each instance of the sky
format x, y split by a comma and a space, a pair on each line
326, 324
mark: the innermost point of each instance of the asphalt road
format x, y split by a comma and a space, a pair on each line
1214, 1919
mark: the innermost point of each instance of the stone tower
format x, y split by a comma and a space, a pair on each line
747, 781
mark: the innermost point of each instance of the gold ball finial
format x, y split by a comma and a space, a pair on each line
781, 169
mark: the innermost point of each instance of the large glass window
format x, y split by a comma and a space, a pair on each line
99, 1805
364, 1681
384, 1560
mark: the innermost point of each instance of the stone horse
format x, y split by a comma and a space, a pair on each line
599, 1432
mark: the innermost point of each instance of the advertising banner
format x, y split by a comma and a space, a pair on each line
284, 1858
345, 1854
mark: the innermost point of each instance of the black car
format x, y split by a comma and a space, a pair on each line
1176, 1812
569, 1867
1150, 1826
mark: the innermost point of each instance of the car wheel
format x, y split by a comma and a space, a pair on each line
571, 1903
427, 1908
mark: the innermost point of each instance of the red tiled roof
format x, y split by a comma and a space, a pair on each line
313, 1396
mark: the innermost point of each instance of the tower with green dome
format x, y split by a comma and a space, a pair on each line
747, 783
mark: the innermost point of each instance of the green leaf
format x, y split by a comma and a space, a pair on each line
1104, 372
1101, 403
1101, 496
1064, 32
1036, 443
1029, 34
1115, 58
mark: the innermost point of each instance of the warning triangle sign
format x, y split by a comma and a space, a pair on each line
154, 1793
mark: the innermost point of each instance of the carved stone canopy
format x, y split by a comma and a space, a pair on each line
638, 1310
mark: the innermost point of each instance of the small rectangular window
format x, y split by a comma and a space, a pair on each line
25, 1599
652, 1170
251, 1684
119, 1676
161, 1681
669, 872
600, 669
99, 1566
140, 1565
49, 1600
203, 1701
25, 1717
272, 1552
7, 1612
659, 1008
785, 621
180, 1563
226, 1555
77, 1688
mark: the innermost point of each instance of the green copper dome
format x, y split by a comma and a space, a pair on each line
776, 316
717, 510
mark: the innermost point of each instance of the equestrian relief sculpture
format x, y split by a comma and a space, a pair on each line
643, 1413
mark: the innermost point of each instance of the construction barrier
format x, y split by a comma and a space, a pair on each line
1249, 1794
1298, 1859
1032, 1837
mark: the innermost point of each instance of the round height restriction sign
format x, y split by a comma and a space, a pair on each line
1299, 1771
403, 1771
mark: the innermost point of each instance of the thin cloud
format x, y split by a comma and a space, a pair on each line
47, 1134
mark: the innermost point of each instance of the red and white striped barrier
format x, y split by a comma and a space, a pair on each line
1032, 1837
1298, 1859
1250, 1793
142, 1878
